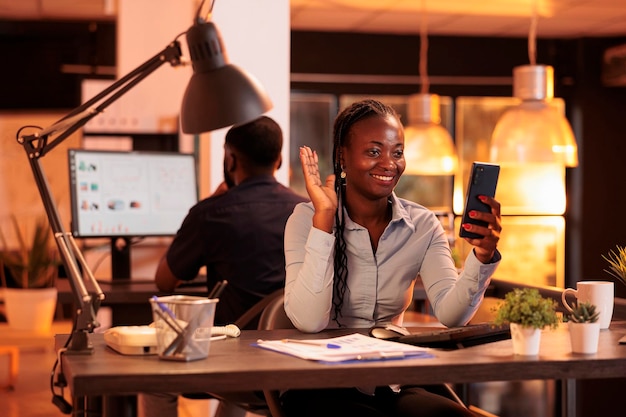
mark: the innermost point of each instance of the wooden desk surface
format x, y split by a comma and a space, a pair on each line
234, 364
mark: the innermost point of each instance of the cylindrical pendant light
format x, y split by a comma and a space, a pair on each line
428, 147
535, 130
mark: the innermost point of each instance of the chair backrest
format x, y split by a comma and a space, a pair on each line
268, 314
250, 319
273, 315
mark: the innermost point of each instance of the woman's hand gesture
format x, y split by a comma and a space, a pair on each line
323, 196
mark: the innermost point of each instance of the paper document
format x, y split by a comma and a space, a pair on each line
344, 348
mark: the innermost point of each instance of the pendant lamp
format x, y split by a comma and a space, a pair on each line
535, 130
428, 147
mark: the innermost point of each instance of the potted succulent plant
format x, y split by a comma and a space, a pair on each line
527, 312
584, 327
28, 274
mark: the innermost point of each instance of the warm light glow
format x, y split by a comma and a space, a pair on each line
528, 188
532, 247
428, 150
532, 188
533, 131
428, 147
546, 8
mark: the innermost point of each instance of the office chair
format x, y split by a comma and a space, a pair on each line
248, 400
252, 401
251, 318
270, 314
274, 317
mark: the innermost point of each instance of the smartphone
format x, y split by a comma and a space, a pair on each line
483, 181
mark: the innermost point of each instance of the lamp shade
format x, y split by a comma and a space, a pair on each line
535, 130
428, 147
219, 94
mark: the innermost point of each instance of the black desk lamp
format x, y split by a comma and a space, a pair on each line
219, 94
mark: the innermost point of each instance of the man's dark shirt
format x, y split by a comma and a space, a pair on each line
239, 237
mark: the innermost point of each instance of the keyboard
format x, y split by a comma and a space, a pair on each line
458, 337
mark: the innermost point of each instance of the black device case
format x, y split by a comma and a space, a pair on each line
483, 181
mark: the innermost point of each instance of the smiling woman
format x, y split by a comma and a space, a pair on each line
354, 253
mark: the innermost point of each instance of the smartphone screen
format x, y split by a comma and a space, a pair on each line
483, 181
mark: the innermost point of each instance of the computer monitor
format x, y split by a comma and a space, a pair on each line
129, 194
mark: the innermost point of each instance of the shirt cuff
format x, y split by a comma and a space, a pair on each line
497, 257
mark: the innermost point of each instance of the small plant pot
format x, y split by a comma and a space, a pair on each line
584, 337
30, 309
526, 340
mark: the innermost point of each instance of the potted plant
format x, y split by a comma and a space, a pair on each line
617, 263
28, 273
584, 327
528, 313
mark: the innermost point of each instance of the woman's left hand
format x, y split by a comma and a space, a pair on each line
485, 248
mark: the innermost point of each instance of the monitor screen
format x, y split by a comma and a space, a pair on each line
124, 194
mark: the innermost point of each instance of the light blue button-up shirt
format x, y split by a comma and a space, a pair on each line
380, 285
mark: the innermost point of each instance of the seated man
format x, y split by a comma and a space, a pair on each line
237, 233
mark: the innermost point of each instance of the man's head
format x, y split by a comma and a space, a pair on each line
251, 149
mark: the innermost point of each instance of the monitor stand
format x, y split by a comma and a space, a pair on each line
120, 258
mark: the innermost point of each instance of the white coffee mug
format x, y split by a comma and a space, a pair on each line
599, 293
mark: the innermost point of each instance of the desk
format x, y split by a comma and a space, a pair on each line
235, 365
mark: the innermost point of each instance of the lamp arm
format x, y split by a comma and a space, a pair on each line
78, 117
36, 146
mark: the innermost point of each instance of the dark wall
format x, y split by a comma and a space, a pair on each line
597, 113
32, 55
603, 143
372, 54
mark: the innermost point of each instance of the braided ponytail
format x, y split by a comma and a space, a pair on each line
341, 130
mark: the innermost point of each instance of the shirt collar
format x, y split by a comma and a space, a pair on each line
398, 214
258, 179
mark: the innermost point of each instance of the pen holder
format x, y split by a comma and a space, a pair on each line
183, 326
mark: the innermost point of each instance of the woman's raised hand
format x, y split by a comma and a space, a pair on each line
323, 196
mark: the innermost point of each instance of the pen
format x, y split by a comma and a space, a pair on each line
380, 355
218, 289
173, 325
312, 343
163, 307
170, 318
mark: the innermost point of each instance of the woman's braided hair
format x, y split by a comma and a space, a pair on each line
341, 130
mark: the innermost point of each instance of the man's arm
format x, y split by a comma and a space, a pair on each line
164, 278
